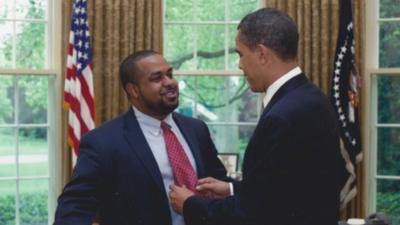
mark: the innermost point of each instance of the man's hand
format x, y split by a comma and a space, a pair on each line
213, 188
178, 196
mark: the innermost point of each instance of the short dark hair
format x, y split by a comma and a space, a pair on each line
128, 69
272, 28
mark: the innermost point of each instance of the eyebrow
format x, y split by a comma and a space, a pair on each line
170, 69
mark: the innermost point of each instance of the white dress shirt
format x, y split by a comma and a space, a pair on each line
152, 131
274, 87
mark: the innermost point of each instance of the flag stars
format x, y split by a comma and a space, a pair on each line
338, 63
342, 117
337, 71
337, 95
336, 87
350, 26
354, 142
344, 49
336, 79
340, 56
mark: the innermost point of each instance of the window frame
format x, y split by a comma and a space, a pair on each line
53, 70
373, 71
228, 72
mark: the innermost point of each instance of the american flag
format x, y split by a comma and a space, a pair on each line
345, 91
78, 90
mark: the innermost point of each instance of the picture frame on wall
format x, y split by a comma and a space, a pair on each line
230, 161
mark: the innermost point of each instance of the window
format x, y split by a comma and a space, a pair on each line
383, 64
28, 108
199, 42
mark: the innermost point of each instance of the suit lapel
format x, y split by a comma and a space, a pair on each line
287, 87
190, 137
140, 147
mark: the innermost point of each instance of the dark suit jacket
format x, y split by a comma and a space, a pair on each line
117, 177
292, 166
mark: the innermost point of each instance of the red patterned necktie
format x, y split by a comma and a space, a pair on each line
183, 171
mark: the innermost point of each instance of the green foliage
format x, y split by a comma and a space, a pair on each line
35, 93
5, 102
389, 99
390, 204
388, 138
7, 209
33, 208
30, 40
30, 53
389, 44
388, 151
389, 35
32, 92
387, 10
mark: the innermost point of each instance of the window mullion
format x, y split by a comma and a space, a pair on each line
14, 45
374, 146
226, 40
195, 33
17, 130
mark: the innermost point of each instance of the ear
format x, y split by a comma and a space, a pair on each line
133, 90
264, 53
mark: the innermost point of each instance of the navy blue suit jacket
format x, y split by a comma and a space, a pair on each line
117, 177
292, 168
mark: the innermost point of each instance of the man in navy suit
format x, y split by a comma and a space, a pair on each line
292, 165
123, 172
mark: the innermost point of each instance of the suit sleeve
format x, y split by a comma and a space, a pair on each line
259, 182
79, 202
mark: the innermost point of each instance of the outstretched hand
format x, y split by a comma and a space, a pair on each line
178, 196
213, 188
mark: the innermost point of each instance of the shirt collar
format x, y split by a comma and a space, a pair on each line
149, 123
274, 87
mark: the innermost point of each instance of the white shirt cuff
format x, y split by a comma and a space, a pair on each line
231, 189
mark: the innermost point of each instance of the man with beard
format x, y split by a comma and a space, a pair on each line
127, 165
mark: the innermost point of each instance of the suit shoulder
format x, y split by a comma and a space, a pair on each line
187, 119
306, 101
107, 129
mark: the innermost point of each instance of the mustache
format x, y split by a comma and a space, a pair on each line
169, 89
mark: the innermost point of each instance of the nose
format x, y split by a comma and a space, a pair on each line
168, 80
